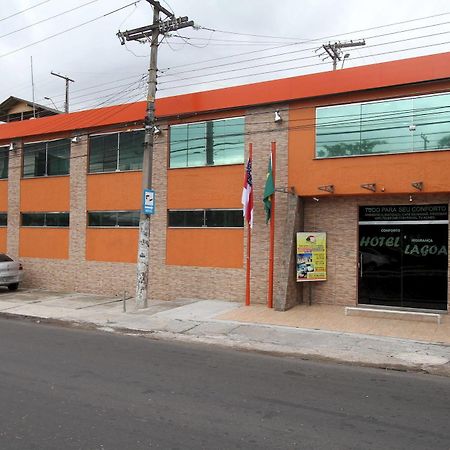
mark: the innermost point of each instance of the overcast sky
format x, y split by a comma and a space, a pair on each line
107, 73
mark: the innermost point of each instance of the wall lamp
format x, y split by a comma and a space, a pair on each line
75, 139
156, 130
277, 117
12, 147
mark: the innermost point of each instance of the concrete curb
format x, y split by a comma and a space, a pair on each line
228, 341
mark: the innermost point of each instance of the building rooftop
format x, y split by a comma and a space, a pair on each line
374, 76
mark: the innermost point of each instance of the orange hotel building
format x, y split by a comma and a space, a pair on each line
363, 154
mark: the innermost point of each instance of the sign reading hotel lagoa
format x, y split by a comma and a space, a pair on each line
311, 256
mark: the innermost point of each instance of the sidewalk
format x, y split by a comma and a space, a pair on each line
316, 332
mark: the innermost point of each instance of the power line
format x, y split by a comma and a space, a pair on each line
301, 67
69, 29
24, 10
314, 48
306, 41
47, 19
307, 57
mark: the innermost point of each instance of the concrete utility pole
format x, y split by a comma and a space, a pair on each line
334, 51
143, 34
66, 103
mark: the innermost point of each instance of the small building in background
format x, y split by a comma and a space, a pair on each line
15, 109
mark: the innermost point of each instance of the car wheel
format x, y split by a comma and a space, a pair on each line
13, 287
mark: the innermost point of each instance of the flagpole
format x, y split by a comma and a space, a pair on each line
272, 229
249, 245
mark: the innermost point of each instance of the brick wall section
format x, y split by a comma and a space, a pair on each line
177, 282
261, 130
338, 216
14, 174
287, 292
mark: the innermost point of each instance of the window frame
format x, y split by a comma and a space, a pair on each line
46, 175
117, 169
45, 213
5, 148
205, 121
361, 122
117, 212
204, 210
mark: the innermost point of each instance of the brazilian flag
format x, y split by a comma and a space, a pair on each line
269, 190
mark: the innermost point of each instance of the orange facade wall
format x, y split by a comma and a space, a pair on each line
45, 194
44, 243
3, 239
3, 195
213, 247
114, 191
392, 173
112, 245
205, 187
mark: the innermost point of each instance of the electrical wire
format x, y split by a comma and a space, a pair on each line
24, 10
314, 48
302, 67
48, 18
69, 29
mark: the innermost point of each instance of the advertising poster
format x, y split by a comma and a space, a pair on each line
311, 256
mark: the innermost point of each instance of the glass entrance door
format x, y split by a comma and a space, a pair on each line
380, 265
403, 256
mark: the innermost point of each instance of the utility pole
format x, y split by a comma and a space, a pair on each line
142, 34
334, 51
66, 103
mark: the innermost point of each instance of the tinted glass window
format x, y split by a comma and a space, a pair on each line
206, 218
4, 258
46, 158
3, 219
58, 157
432, 118
4, 160
194, 218
131, 149
34, 160
389, 126
113, 219
33, 219
207, 143
128, 219
103, 153
224, 218
45, 219
57, 219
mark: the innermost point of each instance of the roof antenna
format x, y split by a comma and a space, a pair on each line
32, 88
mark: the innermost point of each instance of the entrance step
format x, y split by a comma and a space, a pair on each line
393, 314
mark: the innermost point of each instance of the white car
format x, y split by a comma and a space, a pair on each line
11, 272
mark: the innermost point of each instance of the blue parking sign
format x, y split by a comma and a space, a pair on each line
148, 201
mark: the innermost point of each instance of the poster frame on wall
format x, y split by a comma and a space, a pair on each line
311, 257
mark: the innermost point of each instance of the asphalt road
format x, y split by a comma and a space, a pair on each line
75, 389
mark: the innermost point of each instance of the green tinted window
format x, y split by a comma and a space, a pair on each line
113, 219
215, 142
116, 151
131, 148
383, 127
4, 161
3, 219
59, 219
46, 158
199, 218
